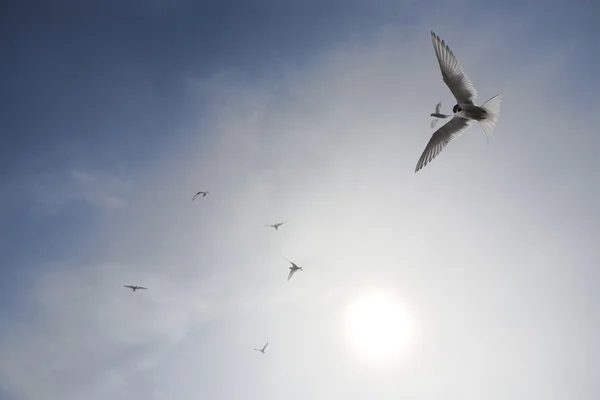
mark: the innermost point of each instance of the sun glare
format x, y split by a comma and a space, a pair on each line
377, 326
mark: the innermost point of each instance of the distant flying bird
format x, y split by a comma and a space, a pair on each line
465, 110
202, 193
293, 269
276, 226
437, 115
134, 288
263, 349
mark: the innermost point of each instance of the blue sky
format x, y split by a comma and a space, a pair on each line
115, 113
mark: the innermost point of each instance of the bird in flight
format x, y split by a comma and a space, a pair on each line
200, 193
293, 269
134, 288
276, 226
438, 115
263, 349
465, 110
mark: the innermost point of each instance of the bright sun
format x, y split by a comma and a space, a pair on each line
377, 326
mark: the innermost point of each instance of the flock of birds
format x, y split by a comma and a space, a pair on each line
465, 111
293, 268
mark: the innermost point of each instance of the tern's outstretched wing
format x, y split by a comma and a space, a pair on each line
440, 138
294, 265
196, 195
128, 286
292, 272
141, 287
263, 349
438, 107
458, 82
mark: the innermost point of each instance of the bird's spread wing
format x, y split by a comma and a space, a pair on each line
292, 272
196, 195
141, 287
438, 107
440, 138
263, 349
128, 286
458, 82
288, 260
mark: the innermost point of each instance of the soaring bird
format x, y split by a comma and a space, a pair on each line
276, 226
465, 110
263, 349
202, 193
134, 288
437, 115
293, 269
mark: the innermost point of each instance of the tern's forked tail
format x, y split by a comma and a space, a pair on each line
492, 107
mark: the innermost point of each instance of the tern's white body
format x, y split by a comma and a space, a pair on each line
465, 110
200, 193
134, 288
293, 269
276, 226
263, 349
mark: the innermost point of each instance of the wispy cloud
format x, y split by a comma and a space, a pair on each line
58, 191
95, 330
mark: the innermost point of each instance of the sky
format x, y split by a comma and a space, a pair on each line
115, 113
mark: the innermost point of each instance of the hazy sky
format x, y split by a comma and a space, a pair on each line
114, 113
